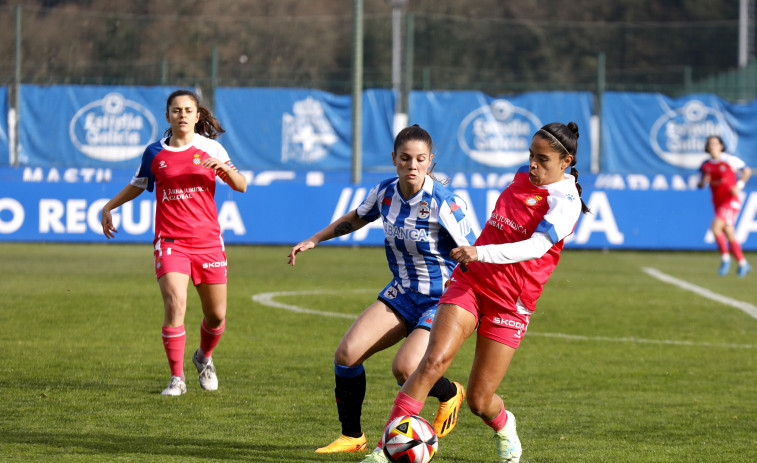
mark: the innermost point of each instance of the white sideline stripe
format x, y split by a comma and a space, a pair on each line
747, 308
641, 340
267, 299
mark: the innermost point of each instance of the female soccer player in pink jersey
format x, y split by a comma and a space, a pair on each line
182, 169
495, 289
722, 172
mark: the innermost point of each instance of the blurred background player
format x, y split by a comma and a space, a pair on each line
503, 276
182, 168
423, 222
722, 172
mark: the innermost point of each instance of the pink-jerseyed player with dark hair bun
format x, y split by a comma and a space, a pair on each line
722, 172
494, 290
182, 169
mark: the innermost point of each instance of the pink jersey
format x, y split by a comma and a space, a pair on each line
186, 211
521, 210
723, 178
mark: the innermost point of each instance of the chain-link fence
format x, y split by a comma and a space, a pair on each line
72, 46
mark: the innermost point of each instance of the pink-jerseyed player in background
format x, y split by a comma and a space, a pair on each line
495, 288
182, 169
722, 172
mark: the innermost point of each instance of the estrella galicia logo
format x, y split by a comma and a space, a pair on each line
113, 129
498, 134
679, 135
306, 135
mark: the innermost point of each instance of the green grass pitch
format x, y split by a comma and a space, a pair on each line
617, 366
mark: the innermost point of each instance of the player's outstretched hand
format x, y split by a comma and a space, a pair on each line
107, 222
464, 254
300, 247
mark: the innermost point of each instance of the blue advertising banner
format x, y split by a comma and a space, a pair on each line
83, 126
651, 133
628, 211
475, 132
4, 141
302, 129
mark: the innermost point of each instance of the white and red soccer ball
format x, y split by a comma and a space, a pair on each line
410, 439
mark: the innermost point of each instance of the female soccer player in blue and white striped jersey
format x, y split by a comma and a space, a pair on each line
423, 221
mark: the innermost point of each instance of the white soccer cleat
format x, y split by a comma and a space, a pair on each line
508, 444
377, 456
207, 372
175, 387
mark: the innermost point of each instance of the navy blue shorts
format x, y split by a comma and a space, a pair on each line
416, 309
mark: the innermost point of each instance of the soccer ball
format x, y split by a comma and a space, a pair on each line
410, 439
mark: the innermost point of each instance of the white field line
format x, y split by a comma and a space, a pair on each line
747, 308
634, 340
267, 299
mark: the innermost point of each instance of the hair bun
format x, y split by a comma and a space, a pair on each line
573, 127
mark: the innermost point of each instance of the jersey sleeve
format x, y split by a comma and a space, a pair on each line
217, 151
736, 164
561, 218
144, 177
369, 210
509, 253
453, 216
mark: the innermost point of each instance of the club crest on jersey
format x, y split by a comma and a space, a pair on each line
423, 210
391, 293
533, 200
196, 160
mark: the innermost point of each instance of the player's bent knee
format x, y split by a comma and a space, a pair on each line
432, 366
401, 373
346, 358
479, 404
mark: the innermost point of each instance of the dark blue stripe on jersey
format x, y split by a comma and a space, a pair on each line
523, 169
457, 211
373, 214
383, 197
145, 170
379, 208
391, 260
424, 247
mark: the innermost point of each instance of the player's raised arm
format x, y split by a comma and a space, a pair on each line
344, 225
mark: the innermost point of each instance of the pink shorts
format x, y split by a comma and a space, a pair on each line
498, 323
728, 213
207, 268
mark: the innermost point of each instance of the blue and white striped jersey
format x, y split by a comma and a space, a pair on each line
420, 232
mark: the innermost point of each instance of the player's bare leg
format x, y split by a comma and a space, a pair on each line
376, 329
